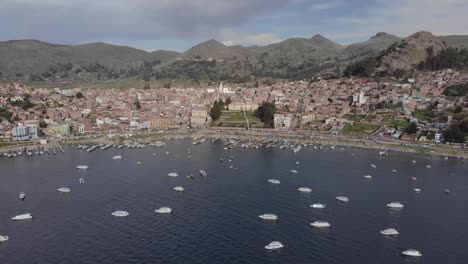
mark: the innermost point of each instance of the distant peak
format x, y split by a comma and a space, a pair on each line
380, 35
422, 34
319, 37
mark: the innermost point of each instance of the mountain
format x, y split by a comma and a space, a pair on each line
214, 49
33, 57
294, 58
456, 41
371, 47
406, 54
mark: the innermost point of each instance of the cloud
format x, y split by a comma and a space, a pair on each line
323, 6
230, 37
81, 20
404, 17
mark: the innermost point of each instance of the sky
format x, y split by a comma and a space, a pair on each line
180, 24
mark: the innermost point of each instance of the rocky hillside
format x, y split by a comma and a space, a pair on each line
294, 58
406, 54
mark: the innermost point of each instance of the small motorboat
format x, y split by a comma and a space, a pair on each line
272, 217
414, 162
179, 189
294, 171
22, 196
297, 163
64, 190
189, 176
417, 190
81, 180
413, 178
412, 253
373, 166
317, 206
274, 245
203, 173
389, 232
274, 181
173, 174
428, 166
320, 224
447, 191
163, 210
368, 176
20, 217
304, 189
395, 205
394, 171
117, 157
139, 163
120, 213
342, 199
82, 167
3, 238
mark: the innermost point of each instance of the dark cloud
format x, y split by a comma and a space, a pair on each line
74, 21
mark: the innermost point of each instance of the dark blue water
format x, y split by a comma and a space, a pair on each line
215, 220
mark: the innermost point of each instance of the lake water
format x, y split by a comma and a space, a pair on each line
216, 219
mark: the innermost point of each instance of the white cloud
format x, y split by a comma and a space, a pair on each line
230, 37
404, 17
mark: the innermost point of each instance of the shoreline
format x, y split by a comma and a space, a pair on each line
262, 135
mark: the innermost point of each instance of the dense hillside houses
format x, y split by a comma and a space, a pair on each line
429, 106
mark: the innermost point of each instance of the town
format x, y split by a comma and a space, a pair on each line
416, 109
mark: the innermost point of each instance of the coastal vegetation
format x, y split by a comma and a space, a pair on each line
266, 113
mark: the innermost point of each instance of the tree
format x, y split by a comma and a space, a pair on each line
42, 124
266, 113
137, 105
215, 111
454, 134
412, 128
228, 101
464, 125
79, 95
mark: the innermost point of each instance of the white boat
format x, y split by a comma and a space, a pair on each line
120, 213
172, 174
428, 166
389, 232
368, 176
274, 181
82, 167
413, 161
64, 190
305, 189
342, 199
22, 195
268, 217
317, 206
203, 173
294, 171
163, 210
412, 253
25, 216
373, 166
81, 180
320, 224
274, 245
138, 162
394, 171
297, 163
3, 238
179, 189
396, 205
417, 190
117, 157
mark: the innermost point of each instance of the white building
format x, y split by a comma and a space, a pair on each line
283, 121
24, 132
